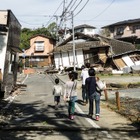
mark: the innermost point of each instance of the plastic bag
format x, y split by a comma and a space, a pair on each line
101, 85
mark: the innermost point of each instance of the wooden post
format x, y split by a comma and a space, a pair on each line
106, 95
118, 100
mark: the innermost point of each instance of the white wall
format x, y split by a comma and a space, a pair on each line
65, 59
57, 60
128, 61
71, 58
80, 58
3, 47
137, 63
89, 31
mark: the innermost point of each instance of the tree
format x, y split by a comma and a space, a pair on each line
27, 33
52, 28
24, 38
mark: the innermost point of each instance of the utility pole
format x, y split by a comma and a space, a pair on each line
64, 9
73, 38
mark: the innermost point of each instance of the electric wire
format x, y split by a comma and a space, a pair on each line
63, 15
65, 10
54, 14
68, 10
103, 10
72, 5
81, 8
77, 6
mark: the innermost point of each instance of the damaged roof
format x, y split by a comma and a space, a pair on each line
95, 41
117, 46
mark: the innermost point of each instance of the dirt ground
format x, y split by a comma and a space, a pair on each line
129, 108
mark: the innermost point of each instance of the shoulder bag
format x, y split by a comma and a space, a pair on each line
69, 95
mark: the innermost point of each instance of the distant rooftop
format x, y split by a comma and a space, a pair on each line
130, 21
84, 26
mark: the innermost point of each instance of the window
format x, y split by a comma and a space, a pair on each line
120, 31
79, 30
39, 45
135, 27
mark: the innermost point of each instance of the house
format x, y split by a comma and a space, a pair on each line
128, 30
10, 29
126, 62
93, 49
39, 54
83, 28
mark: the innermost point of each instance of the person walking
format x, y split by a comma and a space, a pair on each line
93, 94
70, 91
57, 92
84, 75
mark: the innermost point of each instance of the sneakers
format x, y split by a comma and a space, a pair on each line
71, 117
85, 102
97, 118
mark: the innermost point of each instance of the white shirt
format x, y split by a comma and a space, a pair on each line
70, 88
84, 75
57, 90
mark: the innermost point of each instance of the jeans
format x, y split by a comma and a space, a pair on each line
94, 97
71, 105
84, 94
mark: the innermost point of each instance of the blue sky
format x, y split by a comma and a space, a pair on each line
98, 13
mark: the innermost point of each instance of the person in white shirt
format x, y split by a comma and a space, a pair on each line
84, 76
57, 92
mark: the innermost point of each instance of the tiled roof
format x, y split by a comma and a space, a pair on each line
84, 26
116, 46
125, 22
42, 35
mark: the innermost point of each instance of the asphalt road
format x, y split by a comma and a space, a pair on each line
36, 118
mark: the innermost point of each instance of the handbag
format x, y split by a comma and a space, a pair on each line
101, 85
67, 98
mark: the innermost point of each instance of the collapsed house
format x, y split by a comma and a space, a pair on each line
101, 52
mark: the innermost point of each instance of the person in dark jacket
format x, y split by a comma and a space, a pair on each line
93, 94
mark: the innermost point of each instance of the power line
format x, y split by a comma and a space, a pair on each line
67, 10
54, 13
72, 5
77, 6
104, 10
81, 8
63, 15
27, 23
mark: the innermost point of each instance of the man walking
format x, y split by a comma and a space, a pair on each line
84, 76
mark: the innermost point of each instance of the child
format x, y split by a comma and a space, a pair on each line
57, 92
70, 89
